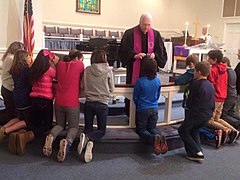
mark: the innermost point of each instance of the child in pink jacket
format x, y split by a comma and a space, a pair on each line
42, 73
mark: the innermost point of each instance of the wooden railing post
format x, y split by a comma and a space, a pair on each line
168, 91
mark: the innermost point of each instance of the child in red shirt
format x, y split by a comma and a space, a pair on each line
69, 73
219, 78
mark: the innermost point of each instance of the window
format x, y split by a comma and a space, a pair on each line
231, 8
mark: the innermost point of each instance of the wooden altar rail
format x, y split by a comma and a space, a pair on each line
168, 91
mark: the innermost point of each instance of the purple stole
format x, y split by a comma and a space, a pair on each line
138, 49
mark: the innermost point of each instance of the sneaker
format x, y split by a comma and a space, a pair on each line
238, 135
225, 136
163, 145
62, 150
68, 147
88, 153
218, 138
47, 148
82, 143
195, 157
156, 144
233, 136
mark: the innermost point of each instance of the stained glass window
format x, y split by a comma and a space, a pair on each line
89, 6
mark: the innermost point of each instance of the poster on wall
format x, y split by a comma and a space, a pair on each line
88, 6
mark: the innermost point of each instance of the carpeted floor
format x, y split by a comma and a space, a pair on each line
222, 164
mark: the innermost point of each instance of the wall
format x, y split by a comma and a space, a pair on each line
3, 12
167, 14
11, 18
207, 12
120, 13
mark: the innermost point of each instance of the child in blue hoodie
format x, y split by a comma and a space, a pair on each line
188, 75
145, 95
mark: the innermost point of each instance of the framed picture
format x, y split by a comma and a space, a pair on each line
88, 6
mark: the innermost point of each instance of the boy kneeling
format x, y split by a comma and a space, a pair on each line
200, 106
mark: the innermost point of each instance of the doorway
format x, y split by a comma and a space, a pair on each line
231, 39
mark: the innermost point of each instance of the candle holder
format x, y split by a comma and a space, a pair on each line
185, 42
196, 23
185, 37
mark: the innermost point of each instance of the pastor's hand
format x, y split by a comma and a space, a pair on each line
139, 56
152, 55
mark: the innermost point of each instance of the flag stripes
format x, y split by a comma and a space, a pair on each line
28, 30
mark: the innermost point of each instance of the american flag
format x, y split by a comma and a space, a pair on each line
28, 31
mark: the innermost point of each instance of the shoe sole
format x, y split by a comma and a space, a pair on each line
238, 136
20, 148
235, 138
226, 137
47, 149
163, 145
81, 143
88, 152
12, 143
157, 141
219, 142
194, 159
62, 150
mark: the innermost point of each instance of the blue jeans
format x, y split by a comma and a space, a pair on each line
101, 111
209, 133
189, 132
146, 124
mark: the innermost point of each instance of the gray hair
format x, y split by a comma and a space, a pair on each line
147, 14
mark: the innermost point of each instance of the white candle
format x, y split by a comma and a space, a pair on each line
81, 37
208, 26
186, 30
